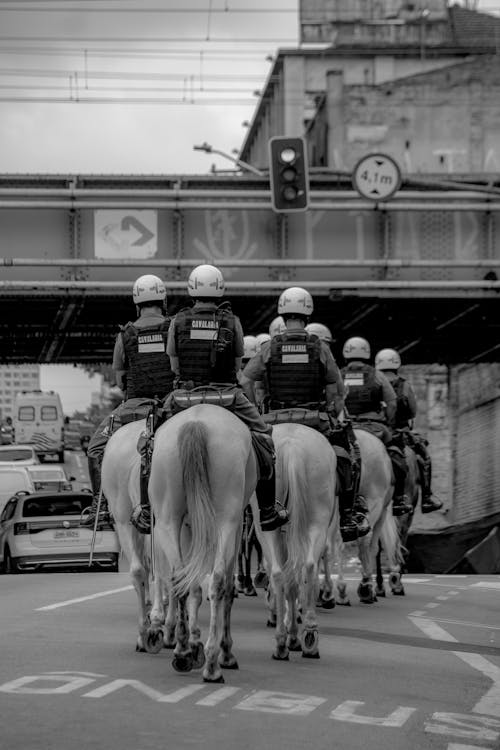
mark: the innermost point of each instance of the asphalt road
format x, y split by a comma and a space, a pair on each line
417, 672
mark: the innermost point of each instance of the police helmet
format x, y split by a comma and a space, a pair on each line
356, 348
295, 300
206, 281
149, 288
250, 347
277, 326
261, 338
321, 331
387, 359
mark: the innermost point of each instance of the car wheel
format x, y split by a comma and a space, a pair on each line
10, 565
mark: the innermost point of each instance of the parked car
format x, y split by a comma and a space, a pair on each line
14, 478
51, 478
23, 454
42, 530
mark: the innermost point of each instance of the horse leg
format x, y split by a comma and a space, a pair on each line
226, 658
366, 590
195, 644
379, 577
249, 587
310, 633
131, 546
292, 592
341, 595
154, 636
326, 598
216, 590
170, 621
183, 659
261, 579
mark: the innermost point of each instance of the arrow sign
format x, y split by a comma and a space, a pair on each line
376, 176
129, 222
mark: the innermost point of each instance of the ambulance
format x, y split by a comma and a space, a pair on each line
38, 419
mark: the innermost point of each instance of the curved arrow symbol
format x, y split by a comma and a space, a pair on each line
129, 222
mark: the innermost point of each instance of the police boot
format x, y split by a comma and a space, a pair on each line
400, 503
271, 516
348, 526
89, 514
428, 504
141, 515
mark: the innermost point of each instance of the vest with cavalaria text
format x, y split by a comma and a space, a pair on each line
148, 365
294, 370
364, 394
196, 336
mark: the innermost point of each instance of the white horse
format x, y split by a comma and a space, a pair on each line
305, 483
377, 486
120, 485
203, 469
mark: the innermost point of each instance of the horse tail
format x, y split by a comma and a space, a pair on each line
194, 460
390, 539
290, 465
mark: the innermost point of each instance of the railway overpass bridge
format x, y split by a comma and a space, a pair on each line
418, 272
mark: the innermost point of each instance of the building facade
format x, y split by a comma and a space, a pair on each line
15, 378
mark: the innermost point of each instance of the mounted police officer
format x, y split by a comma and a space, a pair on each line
388, 361
142, 371
371, 401
205, 346
301, 375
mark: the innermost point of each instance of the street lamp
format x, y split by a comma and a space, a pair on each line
240, 163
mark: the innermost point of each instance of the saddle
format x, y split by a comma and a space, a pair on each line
295, 415
205, 394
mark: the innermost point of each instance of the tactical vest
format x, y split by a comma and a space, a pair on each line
294, 370
205, 345
403, 411
148, 365
364, 393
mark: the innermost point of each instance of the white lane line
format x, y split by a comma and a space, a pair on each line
449, 621
485, 585
431, 605
453, 593
68, 602
217, 696
442, 598
490, 702
434, 631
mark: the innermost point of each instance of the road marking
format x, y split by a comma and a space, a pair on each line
68, 602
346, 712
486, 585
431, 605
217, 696
490, 702
434, 631
443, 598
271, 702
456, 622
457, 746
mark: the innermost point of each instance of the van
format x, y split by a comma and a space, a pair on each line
39, 420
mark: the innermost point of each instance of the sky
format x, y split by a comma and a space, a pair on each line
129, 87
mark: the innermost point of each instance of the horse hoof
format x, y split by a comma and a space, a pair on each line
232, 664
280, 657
381, 593
140, 649
294, 644
154, 642
328, 603
250, 592
217, 679
306, 655
182, 663
198, 655
271, 624
399, 592
261, 579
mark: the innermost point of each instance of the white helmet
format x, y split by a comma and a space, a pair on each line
277, 326
321, 331
387, 359
149, 288
356, 348
261, 338
206, 281
250, 347
295, 300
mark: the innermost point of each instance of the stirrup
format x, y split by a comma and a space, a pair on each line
429, 505
273, 518
401, 506
348, 530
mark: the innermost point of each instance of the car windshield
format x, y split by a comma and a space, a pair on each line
45, 475
15, 454
56, 505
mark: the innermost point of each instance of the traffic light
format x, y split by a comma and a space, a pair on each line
288, 174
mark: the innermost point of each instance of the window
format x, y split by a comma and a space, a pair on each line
56, 505
49, 414
26, 414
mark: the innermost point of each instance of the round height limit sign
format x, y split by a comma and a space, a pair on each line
376, 176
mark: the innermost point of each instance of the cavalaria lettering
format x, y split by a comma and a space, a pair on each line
294, 348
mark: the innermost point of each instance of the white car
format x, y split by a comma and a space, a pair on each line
22, 454
14, 478
42, 530
50, 477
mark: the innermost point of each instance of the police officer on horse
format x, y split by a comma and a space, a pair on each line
205, 346
142, 371
388, 361
304, 385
